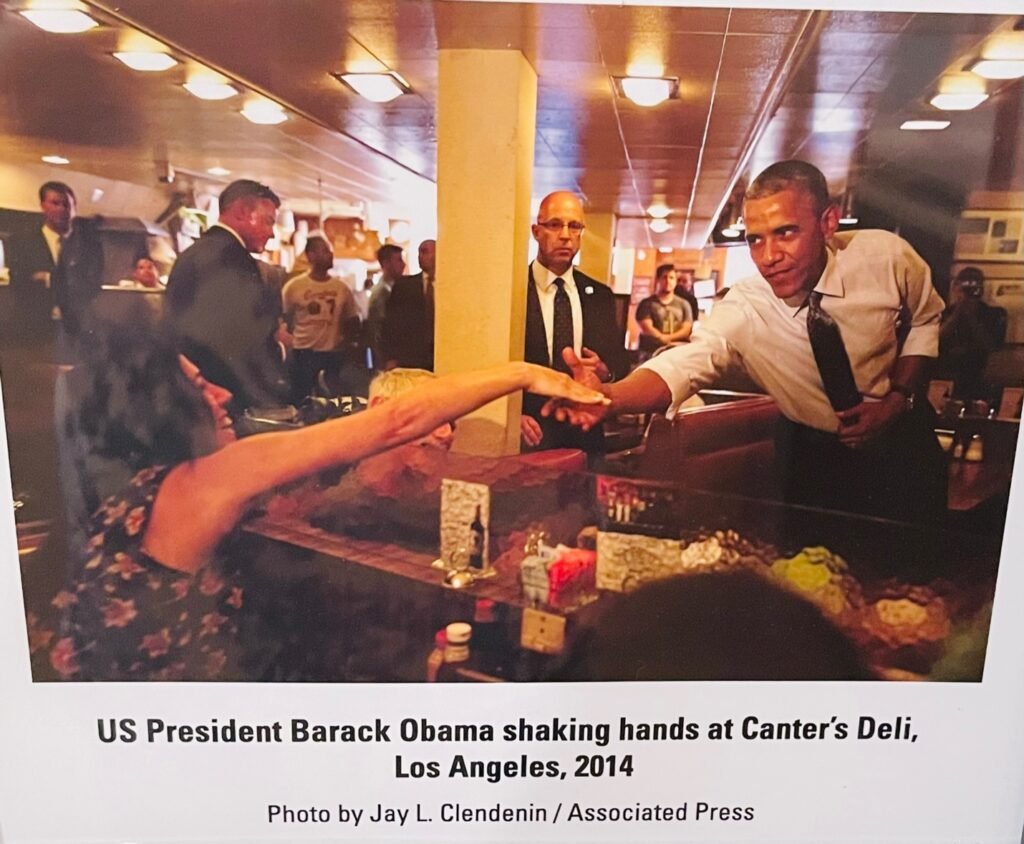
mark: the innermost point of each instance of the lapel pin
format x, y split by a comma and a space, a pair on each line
588, 289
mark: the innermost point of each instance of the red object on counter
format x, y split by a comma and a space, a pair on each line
571, 576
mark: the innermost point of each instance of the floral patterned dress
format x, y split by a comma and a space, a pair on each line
127, 617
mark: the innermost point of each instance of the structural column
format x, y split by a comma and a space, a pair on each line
486, 116
596, 251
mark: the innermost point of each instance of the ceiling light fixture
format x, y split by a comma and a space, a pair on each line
218, 171
659, 226
665, 250
958, 100
147, 62
998, 68
658, 210
264, 112
647, 91
59, 20
924, 125
732, 231
375, 87
210, 89
56, 159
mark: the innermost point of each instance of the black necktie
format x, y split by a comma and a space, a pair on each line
561, 332
830, 355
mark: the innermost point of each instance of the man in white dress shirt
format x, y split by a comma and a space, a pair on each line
566, 309
878, 455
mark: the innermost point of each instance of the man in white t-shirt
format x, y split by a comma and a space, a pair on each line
321, 312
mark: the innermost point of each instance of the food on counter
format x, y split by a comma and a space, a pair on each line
902, 622
823, 578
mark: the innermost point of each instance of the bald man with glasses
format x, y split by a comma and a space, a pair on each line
566, 309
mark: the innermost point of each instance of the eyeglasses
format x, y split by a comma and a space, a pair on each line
556, 226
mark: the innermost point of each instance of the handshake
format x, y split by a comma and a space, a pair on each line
589, 370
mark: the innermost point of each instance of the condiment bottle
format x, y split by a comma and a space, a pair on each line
489, 648
436, 657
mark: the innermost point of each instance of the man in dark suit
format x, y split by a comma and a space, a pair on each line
224, 315
408, 334
566, 309
33, 259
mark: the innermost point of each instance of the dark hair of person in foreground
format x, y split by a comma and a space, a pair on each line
714, 626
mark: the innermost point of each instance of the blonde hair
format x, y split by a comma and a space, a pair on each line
394, 382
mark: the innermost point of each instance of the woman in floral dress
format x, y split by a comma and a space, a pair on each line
152, 593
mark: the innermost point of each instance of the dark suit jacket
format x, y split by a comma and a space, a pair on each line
601, 335
408, 335
225, 318
32, 301
78, 276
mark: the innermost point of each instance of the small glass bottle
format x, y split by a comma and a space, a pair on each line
436, 657
489, 647
476, 542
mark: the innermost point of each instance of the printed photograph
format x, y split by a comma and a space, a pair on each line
442, 341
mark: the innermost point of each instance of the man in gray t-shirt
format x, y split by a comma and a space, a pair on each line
664, 318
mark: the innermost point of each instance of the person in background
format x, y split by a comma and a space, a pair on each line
392, 266
713, 626
321, 312
971, 331
154, 593
227, 319
664, 317
684, 290
854, 436
145, 273
408, 335
566, 309
33, 258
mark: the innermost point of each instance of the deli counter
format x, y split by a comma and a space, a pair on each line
354, 586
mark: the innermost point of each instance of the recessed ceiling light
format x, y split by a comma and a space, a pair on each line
665, 250
732, 231
59, 20
659, 210
56, 159
210, 89
150, 62
924, 125
848, 221
375, 87
264, 112
998, 68
659, 226
218, 171
959, 100
647, 91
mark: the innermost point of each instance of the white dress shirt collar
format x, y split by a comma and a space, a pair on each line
234, 234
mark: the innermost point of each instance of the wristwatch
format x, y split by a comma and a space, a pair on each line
906, 392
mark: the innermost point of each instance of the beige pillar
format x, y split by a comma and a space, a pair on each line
486, 116
596, 251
